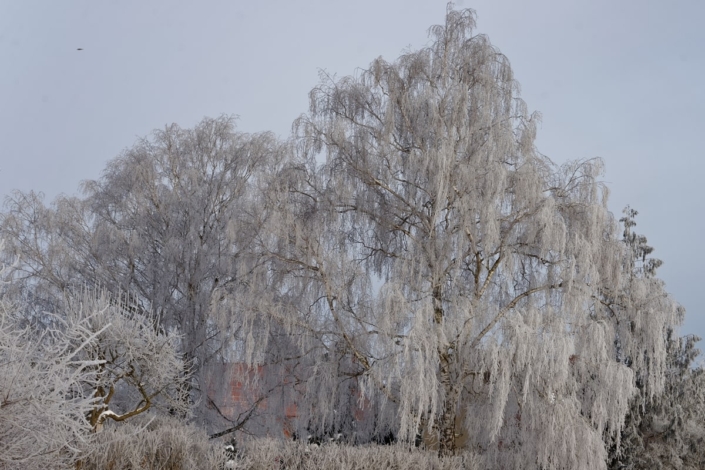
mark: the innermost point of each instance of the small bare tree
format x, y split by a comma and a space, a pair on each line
139, 363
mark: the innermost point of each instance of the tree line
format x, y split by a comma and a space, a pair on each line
407, 242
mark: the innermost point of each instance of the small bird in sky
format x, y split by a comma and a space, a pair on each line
79, 49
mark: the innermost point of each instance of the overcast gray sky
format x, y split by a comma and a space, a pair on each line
618, 79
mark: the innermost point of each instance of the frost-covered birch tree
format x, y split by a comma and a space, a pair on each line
466, 276
177, 213
311, 269
171, 220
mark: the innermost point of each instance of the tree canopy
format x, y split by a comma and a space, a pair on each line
407, 262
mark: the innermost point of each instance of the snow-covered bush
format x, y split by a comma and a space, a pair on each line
63, 374
43, 406
272, 454
140, 364
153, 442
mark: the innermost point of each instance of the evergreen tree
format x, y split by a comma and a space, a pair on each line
665, 430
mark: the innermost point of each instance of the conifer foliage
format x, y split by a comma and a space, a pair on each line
662, 429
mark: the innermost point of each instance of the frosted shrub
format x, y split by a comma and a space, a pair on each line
148, 443
61, 377
271, 454
42, 405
